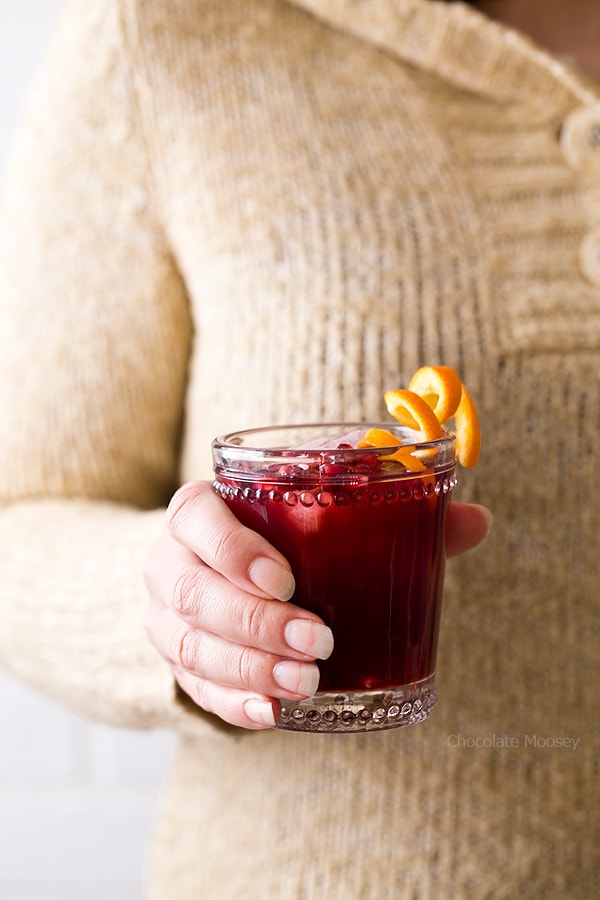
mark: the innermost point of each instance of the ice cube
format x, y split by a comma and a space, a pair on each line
348, 440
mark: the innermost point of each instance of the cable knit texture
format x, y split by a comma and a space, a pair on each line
225, 214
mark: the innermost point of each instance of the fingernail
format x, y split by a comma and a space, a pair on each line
297, 677
309, 637
272, 578
260, 711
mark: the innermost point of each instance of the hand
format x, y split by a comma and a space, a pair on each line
216, 615
215, 611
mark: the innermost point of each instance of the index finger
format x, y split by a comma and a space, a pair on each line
201, 521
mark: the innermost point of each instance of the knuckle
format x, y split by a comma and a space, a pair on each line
201, 695
253, 615
222, 544
186, 594
245, 668
195, 688
180, 505
188, 649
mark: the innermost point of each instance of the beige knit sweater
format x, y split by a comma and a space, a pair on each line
222, 213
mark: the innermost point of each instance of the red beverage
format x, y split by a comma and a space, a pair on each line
364, 538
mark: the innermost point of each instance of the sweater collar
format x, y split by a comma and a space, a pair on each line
463, 46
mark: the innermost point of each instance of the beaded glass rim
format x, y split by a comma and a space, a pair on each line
256, 449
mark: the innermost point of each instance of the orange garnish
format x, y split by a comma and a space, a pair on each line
379, 437
440, 387
411, 410
435, 394
468, 434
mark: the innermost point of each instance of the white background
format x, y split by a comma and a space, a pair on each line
76, 799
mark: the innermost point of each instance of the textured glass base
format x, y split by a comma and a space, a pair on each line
360, 711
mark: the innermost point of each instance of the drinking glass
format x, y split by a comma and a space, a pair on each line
363, 531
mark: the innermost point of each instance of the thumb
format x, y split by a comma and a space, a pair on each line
467, 524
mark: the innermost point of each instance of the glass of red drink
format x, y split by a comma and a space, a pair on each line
364, 535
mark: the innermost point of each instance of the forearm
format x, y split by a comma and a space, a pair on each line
72, 603
94, 343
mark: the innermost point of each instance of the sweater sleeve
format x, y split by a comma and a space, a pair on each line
95, 337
